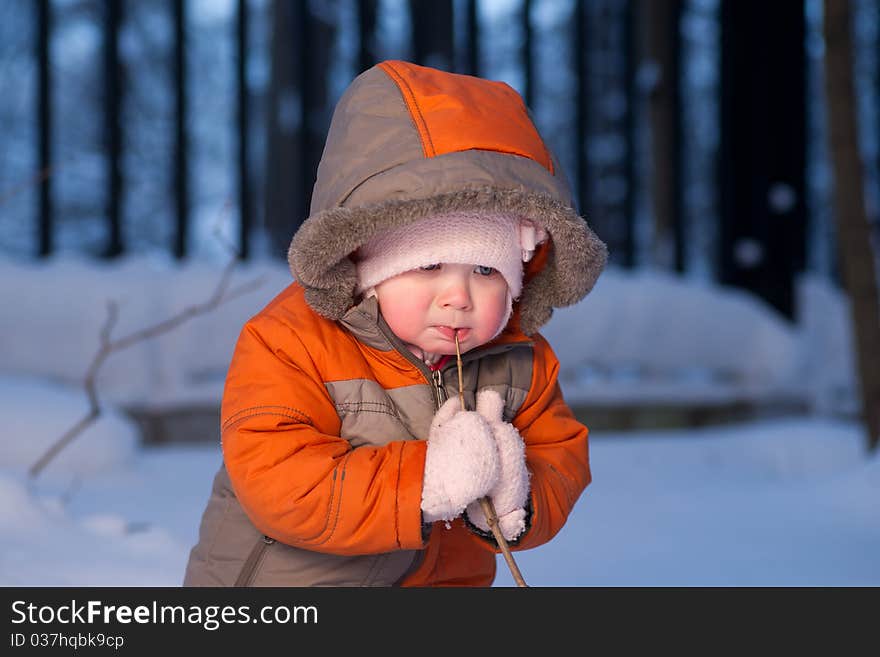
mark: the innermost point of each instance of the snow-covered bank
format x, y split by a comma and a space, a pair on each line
791, 503
638, 335
777, 503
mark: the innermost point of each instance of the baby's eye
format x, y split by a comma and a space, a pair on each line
430, 267
484, 271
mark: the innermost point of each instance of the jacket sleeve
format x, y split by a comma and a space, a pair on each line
296, 478
557, 451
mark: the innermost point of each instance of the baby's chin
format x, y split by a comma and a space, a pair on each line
432, 348
443, 348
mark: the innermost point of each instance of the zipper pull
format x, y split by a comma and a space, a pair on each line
439, 390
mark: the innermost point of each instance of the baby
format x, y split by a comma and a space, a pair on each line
438, 216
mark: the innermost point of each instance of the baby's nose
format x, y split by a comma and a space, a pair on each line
456, 294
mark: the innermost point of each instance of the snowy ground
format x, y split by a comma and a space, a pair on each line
781, 503
792, 502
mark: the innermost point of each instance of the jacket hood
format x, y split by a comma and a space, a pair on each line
408, 142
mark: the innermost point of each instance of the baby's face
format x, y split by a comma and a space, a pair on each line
425, 307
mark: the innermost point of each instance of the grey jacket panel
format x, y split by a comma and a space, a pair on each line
371, 119
232, 552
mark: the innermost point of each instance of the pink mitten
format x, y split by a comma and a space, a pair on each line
511, 491
461, 463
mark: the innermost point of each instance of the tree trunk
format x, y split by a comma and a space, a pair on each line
44, 110
368, 11
659, 19
315, 56
181, 119
282, 125
853, 232
581, 67
473, 40
762, 154
298, 115
528, 55
113, 81
242, 117
432, 33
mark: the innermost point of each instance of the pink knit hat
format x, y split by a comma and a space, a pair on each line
495, 240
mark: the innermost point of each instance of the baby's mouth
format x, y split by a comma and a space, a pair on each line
449, 332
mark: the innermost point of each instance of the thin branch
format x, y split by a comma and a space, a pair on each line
63, 442
37, 178
108, 346
486, 502
220, 296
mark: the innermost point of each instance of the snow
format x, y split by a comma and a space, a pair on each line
55, 332
776, 503
784, 502
638, 334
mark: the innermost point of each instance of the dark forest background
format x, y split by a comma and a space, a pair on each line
695, 132
728, 141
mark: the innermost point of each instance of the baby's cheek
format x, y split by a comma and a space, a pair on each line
495, 313
404, 323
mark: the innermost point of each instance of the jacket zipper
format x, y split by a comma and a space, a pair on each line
434, 377
246, 575
439, 391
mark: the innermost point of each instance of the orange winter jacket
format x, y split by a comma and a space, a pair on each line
325, 411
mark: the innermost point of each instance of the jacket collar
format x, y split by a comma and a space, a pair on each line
365, 322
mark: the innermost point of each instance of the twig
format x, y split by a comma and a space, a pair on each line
486, 503
108, 346
458, 362
38, 178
